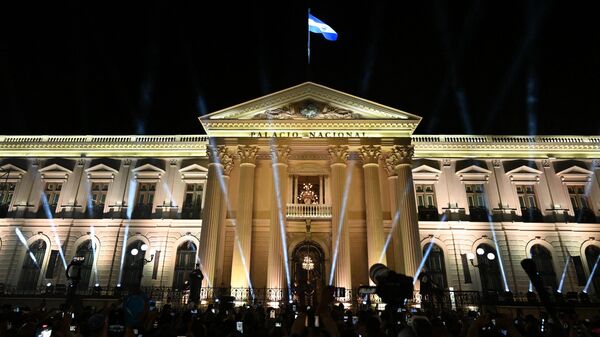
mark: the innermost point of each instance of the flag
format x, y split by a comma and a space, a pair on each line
317, 26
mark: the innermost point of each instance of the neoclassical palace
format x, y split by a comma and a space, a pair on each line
305, 184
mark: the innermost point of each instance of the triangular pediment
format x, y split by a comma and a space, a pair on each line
473, 169
10, 168
426, 169
101, 168
524, 170
148, 168
193, 172
305, 107
55, 168
194, 168
575, 170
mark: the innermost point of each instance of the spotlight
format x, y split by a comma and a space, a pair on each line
144, 247
480, 251
531, 297
491, 256
49, 288
134, 252
584, 297
97, 289
118, 290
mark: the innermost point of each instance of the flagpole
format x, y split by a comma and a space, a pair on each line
308, 47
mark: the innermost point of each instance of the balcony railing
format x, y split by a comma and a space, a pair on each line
142, 211
478, 213
308, 211
95, 212
428, 213
531, 214
191, 213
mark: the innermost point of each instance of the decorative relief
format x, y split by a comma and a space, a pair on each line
247, 154
280, 154
496, 163
221, 155
390, 164
370, 154
338, 154
308, 110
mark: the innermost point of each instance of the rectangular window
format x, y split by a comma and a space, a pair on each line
7, 190
52, 264
466, 271
526, 194
578, 197
146, 194
579, 271
192, 203
425, 195
52, 192
475, 195
99, 191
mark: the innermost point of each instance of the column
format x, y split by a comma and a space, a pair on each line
375, 239
395, 215
240, 265
339, 227
220, 164
275, 269
408, 222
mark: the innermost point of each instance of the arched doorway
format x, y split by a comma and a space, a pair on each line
308, 269
489, 269
592, 253
435, 265
86, 251
545, 267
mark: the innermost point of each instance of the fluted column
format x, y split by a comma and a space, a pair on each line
220, 164
240, 265
279, 162
401, 157
339, 226
396, 232
375, 239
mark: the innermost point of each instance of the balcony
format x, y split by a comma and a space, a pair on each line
191, 213
478, 214
308, 211
428, 213
3, 210
95, 212
532, 214
142, 211
582, 215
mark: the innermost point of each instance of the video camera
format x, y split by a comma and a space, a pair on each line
393, 288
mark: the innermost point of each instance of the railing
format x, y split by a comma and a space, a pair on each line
104, 139
308, 211
191, 213
142, 211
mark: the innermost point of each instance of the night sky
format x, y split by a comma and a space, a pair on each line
148, 67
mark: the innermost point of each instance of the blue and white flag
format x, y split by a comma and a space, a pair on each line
317, 26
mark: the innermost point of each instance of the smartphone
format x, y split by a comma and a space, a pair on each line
72, 315
213, 310
278, 324
135, 331
45, 332
294, 307
72, 328
354, 320
239, 326
272, 314
316, 321
194, 311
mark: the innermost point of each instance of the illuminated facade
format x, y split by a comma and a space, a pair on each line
304, 184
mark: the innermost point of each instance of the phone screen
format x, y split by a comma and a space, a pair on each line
72, 328
354, 320
239, 326
278, 324
45, 333
316, 321
272, 314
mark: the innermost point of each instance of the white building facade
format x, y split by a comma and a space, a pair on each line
304, 176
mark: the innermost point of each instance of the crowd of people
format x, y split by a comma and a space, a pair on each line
137, 315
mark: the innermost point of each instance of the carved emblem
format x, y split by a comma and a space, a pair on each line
308, 110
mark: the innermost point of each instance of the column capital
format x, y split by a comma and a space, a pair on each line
280, 154
370, 154
220, 155
401, 154
247, 154
338, 154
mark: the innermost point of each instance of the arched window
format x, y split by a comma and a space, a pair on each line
134, 265
543, 261
591, 254
32, 265
86, 251
435, 265
185, 262
489, 268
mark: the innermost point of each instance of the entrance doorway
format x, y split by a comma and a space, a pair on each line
308, 272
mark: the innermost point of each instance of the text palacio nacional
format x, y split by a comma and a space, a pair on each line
307, 183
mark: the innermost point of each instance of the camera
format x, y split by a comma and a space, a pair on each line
393, 288
78, 260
